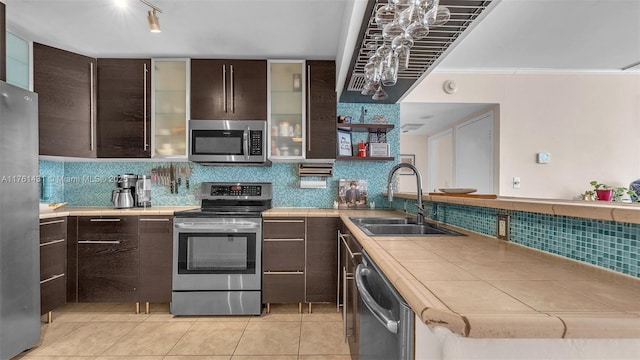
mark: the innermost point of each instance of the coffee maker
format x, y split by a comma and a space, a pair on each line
122, 196
132, 191
142, 193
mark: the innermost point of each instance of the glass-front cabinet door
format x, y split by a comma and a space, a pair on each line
286, 109
170, 84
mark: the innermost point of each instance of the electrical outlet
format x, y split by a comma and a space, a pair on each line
503, 226
516, 182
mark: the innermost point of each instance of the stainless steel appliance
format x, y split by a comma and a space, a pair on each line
386, 320
239, 142
122, 195
19, 224
143, 191
217, 251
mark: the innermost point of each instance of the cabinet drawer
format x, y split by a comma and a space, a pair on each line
52, 293
282, 288
106, 227
284, 228
156, 224
53, 229
283, 255
53, 257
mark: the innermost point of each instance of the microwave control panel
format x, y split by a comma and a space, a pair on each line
255, 142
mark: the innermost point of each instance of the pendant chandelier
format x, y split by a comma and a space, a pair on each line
402, 23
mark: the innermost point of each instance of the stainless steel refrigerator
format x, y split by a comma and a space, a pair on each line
19, 224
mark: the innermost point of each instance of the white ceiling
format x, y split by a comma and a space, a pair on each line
556, 35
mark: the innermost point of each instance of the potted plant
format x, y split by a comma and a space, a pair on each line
603, 192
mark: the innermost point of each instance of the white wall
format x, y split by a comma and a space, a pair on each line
590, 123
417, 145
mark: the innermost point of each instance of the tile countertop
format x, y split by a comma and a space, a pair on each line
106, 211
482, 287
599, 210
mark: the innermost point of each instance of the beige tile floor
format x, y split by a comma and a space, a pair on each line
114, 331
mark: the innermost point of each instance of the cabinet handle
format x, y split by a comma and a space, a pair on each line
308, 108
344, 303
92, 118
144, 110
104, 220
151, 219
51, 278
276, 240
352, 254
52, 222
283, 272
224, 86
233, 98
284, 221
52, 242
99, 242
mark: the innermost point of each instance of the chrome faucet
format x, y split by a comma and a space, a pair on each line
420, 208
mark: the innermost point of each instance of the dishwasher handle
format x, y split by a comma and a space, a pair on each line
383, 315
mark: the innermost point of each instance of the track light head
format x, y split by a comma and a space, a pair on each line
154, 23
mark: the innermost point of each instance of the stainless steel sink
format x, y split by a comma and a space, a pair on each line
373, 226
382, 220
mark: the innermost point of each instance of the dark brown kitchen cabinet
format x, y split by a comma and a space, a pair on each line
53, 264
350, 257
124, 108
321, 110
65, 83
228, 89
156, 259
108, 259
322, 259
283, 263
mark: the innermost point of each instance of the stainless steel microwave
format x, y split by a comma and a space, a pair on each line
228, 142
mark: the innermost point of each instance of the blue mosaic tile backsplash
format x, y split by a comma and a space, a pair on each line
89, 183
608, 244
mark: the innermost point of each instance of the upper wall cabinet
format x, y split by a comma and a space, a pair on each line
302, 110
286, 106
65, 83
124, 108
170, 79
228, 89
321, 110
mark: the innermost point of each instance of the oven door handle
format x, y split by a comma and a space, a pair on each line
218, 227
383, 315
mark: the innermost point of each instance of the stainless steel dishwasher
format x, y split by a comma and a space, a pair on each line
386, 320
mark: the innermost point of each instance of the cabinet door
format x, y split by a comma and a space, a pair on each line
208, 89
170, 100
156, 258
108, 259
124, 108
321, 110
65, 83
322, 259
228, 89
248, 89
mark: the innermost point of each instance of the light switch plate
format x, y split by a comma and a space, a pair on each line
503, 226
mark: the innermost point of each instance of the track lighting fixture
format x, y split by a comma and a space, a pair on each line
152, 17
154, 24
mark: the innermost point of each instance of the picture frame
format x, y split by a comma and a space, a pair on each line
409, 159
344, 143
352, 194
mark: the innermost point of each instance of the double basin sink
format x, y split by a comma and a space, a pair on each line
399, 226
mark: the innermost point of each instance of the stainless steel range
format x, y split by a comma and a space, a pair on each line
217, 251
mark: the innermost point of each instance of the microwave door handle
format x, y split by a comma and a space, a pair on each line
245, 142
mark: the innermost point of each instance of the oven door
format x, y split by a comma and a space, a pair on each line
217, 254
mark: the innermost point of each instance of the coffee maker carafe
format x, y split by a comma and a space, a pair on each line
123, 196
143, 191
